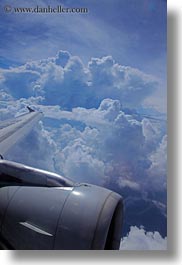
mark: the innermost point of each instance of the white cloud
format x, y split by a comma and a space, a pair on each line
127, 84
64, 89
139, 239
128, 183
38, 148
95, 139
19, 82
112, 147
38, 151
65, 81
158, 168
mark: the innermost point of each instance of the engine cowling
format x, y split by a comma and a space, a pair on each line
77, 217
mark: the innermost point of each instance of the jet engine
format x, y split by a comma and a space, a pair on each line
43, 210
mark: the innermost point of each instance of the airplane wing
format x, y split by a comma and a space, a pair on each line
43, 210
13, 130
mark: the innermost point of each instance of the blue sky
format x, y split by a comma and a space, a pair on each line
133, 32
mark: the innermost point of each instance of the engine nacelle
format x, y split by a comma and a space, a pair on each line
72, 217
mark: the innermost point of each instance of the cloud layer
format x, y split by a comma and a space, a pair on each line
92, 131
65, 81
139, 239
125, 147
112, 146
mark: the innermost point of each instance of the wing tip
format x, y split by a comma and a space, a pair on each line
30, 109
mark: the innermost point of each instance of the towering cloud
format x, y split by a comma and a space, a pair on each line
91, 131
64, 80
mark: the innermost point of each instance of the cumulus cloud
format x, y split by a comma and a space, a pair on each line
158, 168
38, 151
65, 81
89, 132
139, 239
107, 145
38, 148
19, 82
115, 81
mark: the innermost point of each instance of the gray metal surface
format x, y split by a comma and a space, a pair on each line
82, 217
6, 195
32, 216
26, 175
13, 130
86, 218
